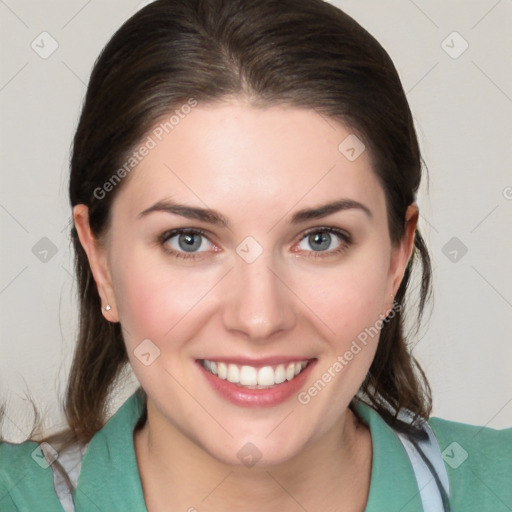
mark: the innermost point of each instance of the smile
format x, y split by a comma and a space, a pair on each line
251, 377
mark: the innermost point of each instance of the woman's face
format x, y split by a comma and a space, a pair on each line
266, 275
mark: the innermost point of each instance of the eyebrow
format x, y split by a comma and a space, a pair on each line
213, 217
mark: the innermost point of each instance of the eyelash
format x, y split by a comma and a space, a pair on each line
345, 239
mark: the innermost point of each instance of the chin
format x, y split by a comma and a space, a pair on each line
250, 455
256, 451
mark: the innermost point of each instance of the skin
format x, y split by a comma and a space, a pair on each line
257, 167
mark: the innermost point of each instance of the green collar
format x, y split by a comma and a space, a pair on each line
110, 480
393, 483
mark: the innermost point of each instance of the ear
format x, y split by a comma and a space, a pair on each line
402, 252
98, 262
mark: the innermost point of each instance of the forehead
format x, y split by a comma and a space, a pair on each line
237, 158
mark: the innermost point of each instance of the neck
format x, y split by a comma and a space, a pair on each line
177, 474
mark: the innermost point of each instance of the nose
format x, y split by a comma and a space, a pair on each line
257, 302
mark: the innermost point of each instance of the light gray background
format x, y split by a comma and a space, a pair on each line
462, 109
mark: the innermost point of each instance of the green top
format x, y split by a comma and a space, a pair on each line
478, 461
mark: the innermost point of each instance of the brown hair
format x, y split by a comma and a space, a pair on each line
302, 53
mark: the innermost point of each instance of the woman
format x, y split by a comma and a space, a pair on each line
243, 183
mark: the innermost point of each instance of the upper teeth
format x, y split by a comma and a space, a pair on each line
251, 376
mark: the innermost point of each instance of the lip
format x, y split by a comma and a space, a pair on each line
257, 397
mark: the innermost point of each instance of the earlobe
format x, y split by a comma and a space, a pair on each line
98, 262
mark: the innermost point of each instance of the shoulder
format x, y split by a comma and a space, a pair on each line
18, 459
25, 477
479, 464
28, 482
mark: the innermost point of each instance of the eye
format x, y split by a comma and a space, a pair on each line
185, 243
323, 242
190, 243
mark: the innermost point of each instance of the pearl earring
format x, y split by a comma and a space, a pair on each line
107, 307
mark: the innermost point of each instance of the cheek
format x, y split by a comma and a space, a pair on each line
153, 298
350, 305
159, 304
348, 298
